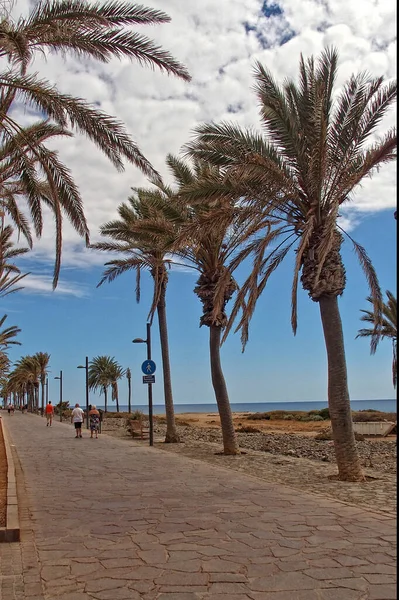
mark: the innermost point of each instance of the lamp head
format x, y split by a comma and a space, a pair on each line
80, 367
139, 341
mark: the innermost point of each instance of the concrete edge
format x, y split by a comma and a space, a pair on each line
12, 531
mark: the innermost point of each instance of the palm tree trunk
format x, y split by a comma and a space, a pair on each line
171, 436
43, 381
117, 403
230, 444
349, 468
129, 397
105, 399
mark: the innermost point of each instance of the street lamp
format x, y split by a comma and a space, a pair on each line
60, 378
148, 342
87, 389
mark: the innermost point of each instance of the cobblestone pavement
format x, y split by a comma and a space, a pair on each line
106, 520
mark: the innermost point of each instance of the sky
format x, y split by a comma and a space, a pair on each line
219, 42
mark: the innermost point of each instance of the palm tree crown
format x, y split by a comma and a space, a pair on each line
385, 326
86, 30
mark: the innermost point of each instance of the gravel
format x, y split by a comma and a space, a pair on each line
380, 455
374, 454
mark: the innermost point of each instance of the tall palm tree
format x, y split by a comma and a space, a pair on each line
116, 372
312, 153
384, 326
104, 372
142, 251
209, 240
26, 375
86, 30
128, 374
42, 359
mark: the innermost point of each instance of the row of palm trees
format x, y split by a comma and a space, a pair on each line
27, 380
240, 195
24, 382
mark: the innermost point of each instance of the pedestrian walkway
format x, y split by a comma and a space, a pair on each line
109, 520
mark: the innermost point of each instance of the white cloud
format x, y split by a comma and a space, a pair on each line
43, 284
219, 41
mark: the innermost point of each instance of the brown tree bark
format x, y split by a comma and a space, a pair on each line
171, 437
349, 468
230, 444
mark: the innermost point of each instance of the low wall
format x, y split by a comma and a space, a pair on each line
11, 532
381, 428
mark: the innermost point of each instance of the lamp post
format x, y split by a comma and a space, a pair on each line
60, 378
87, 389
148, 342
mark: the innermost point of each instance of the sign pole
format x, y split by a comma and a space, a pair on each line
150, 387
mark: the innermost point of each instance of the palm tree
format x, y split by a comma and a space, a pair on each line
301, 169
128, 374
10, 274
8, 334
385, 326
115, 373
104, 371
143, 251
42, 359
209, 239
86, 30
26, 377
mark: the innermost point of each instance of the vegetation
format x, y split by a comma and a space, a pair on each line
105, 372
315, 148
24, 381
239, 196
129, 386
209, 238
132, 238
384, 325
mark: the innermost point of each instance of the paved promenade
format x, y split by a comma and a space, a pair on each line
107, 520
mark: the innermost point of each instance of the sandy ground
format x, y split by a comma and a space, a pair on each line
212, 420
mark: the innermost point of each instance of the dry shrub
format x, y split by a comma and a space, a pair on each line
247, 429
363, 416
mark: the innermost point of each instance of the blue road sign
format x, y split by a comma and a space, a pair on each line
148, 378
148, 367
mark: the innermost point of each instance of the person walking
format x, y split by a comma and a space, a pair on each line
94, 419
49, 414
77, 420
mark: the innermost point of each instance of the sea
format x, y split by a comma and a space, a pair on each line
388, 405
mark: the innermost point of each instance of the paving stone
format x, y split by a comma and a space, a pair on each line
331, 573
159, 526
382, 592
174, 578
178, 596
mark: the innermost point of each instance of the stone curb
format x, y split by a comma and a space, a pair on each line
11, 532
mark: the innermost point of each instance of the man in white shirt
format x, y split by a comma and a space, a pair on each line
77, 420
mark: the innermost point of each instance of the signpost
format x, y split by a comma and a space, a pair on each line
148, 367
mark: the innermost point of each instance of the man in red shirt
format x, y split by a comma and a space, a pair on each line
49, 413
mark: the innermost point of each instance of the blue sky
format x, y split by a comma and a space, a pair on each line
219, 42
276, 366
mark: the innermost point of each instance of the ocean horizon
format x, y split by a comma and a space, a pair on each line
383, 405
